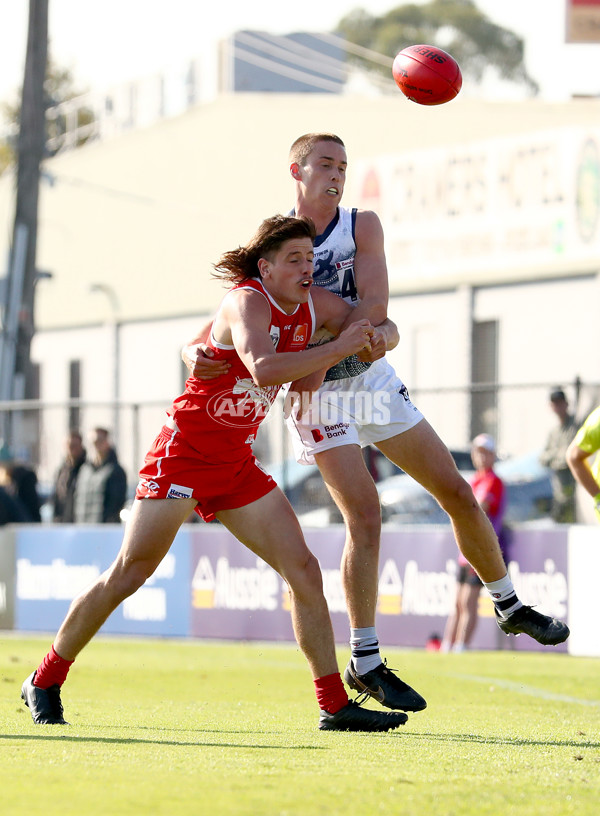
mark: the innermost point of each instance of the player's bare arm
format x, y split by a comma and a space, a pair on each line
371, 277
370, 268
243, 322
578, 462
197, 357
331, 312
302, 389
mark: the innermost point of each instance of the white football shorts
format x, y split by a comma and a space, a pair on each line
360, 410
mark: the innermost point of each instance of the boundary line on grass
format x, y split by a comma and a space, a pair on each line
531, 691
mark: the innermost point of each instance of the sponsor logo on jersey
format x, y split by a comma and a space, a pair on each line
275, 333
300, 334
246, 404
179, 492
339, 429
330, 431
260, 466
325, 273
148, 484
404, 393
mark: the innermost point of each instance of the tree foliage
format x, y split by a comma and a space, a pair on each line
457, 26
7, 156
59, 87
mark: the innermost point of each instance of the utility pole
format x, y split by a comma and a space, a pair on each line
17, 325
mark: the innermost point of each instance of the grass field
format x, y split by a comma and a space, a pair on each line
178, 727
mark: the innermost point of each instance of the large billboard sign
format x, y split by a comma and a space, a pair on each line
54, 563
235, 595
211, 586
481, 210
583, 21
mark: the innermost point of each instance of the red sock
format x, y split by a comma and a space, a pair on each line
52, 670
331, 694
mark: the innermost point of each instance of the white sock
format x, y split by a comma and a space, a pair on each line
503, 595
365, 649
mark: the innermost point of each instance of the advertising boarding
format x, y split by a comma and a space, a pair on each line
55, 563
211, 586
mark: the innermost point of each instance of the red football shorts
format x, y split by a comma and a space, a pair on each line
174, 470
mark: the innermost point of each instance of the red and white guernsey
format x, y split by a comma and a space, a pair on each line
219, 418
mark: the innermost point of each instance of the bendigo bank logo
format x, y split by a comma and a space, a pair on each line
246, 404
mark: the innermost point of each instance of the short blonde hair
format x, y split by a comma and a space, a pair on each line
304, 145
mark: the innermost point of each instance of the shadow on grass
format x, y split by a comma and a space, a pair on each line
57, 734
157, 728
517, 741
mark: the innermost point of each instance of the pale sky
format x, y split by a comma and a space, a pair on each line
118, 40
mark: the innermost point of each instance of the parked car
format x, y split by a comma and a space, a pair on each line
404, 501
302, 484
528, 487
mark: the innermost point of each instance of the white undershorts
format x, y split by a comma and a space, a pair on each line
361, 410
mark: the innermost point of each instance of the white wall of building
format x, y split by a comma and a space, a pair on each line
150, 374
147, 214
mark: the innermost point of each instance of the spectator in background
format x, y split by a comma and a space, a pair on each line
63, 497
101, 486
10, 510
554, 457
586, 444
488, 489
20, 482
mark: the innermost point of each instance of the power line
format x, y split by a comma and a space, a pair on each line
281, 56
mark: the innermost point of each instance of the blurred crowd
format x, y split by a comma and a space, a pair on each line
90, 486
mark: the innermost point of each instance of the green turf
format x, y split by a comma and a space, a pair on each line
174, 727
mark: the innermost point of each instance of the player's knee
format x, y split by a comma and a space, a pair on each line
128, 578
312, 573
457, 498
364, 521
305, 578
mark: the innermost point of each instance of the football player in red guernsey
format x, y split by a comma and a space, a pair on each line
202, 460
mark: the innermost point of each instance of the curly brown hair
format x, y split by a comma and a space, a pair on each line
241, 264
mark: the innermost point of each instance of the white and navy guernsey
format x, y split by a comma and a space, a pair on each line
334, 253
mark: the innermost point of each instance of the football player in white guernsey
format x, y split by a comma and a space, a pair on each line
349, 259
